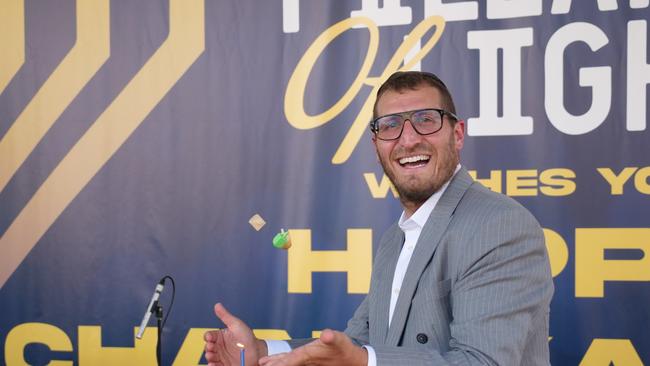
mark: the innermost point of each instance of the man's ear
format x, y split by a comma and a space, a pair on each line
459, 134
374, 143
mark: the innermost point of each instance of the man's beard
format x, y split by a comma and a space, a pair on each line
417, 195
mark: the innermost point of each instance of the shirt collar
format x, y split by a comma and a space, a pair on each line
420, 217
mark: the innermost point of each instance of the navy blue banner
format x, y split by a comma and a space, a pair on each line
147, 138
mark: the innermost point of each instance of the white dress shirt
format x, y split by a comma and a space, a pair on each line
412, 227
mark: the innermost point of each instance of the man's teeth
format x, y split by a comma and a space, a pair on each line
413, 159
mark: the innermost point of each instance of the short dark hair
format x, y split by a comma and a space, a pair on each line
403, 80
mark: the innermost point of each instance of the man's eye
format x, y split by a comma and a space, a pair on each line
424, 118
389, 123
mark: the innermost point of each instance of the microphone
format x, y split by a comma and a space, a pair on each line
150, 309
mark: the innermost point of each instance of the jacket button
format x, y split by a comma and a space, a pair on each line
422, 338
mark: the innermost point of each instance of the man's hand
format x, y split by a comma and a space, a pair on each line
221, 345
333, 348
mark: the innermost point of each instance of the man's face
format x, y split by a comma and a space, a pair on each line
418, 165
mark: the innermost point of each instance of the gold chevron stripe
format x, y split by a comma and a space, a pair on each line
90, 51
12, 39
185, 43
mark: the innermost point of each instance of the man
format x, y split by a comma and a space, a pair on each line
463, 278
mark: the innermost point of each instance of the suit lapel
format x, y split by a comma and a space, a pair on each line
426, 246
379, 314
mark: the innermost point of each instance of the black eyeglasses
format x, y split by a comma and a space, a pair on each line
424, 121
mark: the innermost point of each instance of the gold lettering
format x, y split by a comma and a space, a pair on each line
606, 352
558, 252
616, 182
356, 261
641, 180
192, 348
27, 333
592, 270
272, 334
91, 351
557, 182
294, 96
360, 124
521, 182
379, 190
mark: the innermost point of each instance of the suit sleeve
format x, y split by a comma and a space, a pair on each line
500, 295
357, 328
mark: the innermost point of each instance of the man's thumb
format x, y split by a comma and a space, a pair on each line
328, 336
225, 316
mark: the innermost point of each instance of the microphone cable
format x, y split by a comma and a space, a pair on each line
160, 329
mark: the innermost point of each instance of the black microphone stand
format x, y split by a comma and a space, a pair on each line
158, 310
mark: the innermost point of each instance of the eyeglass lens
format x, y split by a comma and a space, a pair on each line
424, 122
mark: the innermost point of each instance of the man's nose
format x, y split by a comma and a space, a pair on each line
409, 135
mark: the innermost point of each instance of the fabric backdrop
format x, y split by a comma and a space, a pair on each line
139, 138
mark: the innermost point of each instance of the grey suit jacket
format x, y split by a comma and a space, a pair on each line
476, 292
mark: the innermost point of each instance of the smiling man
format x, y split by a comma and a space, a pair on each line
462, 278
421, 156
